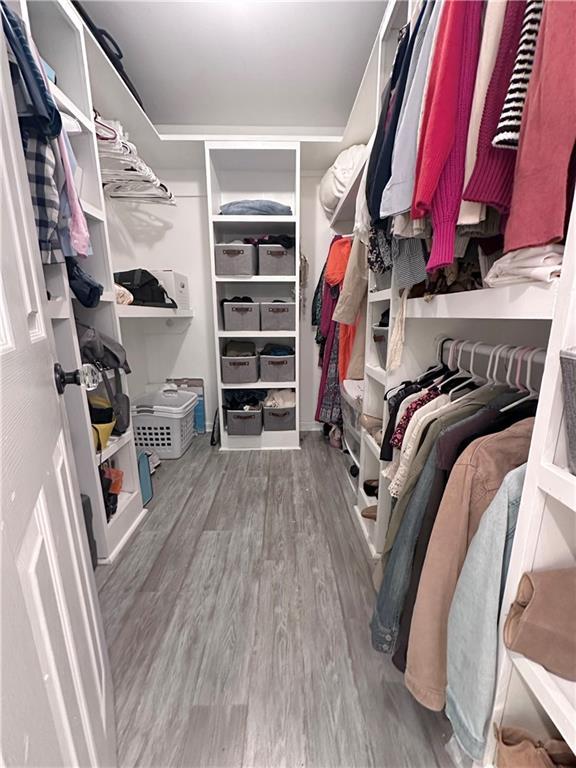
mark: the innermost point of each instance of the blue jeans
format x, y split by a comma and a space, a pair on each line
385, 622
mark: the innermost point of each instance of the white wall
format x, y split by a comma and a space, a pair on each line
315, 241
175, 237
160, 236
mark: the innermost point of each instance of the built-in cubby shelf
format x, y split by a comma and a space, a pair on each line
60, 37
251, 170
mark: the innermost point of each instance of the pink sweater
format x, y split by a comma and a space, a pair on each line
492, 177
547, 135
448, 195
438, 118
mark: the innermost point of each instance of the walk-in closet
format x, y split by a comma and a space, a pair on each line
288, 384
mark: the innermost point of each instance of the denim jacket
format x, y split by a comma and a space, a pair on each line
473, 620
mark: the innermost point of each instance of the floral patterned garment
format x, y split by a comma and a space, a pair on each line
398, 435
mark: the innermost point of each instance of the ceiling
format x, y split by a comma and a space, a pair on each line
244, 62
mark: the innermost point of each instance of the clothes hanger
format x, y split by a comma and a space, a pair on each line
532, 393
456, 373
500, 350
473, 375
441, 368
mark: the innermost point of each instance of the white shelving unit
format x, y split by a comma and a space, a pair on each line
258, 170
545, 537
60, 37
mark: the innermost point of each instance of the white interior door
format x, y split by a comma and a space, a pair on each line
57, 703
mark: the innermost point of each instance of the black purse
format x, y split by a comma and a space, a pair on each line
146, 289
110, 48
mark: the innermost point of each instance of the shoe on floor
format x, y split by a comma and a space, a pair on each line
370, 512
371, 488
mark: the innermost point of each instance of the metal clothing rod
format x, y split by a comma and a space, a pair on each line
507, 363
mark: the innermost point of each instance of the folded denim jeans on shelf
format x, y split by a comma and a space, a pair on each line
255, 208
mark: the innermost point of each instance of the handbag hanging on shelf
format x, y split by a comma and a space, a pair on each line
107, 354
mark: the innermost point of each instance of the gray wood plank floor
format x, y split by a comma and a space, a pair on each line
237, 623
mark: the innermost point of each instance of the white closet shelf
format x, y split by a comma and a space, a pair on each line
114, 445
222, 219
344, 213
107, 297
384, 295
92, 211
556, 695
366, 529
558, 483
365, 499
371, 444
525, 301
66, 104
355, 458
127, 310
58, 309
262, 385
255, 279
256, 334
376, 372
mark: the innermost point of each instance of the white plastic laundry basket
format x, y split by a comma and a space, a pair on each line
164, 421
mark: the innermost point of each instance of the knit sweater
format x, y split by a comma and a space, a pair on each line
446, 200
547, 136
508, 132
493, 175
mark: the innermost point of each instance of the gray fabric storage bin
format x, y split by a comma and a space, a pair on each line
278, 316
235, 259
568, 366
380, 337
275, 260
239, 370
277, 367
244, 422
279, 419
241, 316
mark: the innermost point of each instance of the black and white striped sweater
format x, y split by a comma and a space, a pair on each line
508, 131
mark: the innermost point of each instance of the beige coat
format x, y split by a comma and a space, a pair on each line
473, 483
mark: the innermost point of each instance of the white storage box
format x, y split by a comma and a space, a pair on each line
164, 421
176, 285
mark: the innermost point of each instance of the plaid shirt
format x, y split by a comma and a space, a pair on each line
41, 164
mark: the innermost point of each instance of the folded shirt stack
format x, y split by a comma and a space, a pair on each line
539, 264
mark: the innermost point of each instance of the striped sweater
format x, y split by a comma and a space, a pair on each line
508, 131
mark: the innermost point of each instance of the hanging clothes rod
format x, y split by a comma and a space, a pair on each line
504, 362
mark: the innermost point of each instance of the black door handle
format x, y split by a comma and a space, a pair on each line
62, 378
88, 376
